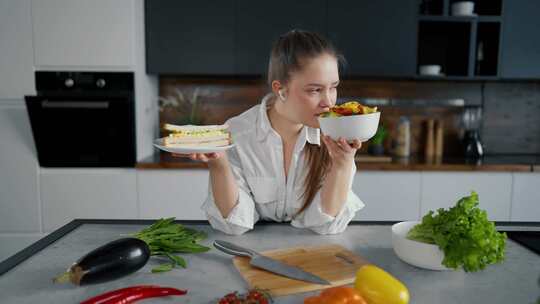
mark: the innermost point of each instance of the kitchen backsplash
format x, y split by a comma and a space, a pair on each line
511, 109
512, 117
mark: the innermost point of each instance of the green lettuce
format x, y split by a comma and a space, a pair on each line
464, 233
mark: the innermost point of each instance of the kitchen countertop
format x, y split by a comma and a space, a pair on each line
500, 163
212, 274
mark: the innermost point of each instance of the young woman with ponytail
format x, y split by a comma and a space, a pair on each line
282, 168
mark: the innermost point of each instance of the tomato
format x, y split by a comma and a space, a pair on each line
379, 287
253, 296
337, 295
343, 111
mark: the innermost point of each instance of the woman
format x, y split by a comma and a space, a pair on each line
281, 168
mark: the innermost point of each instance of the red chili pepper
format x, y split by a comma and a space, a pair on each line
145, 293
114, 294
134, 293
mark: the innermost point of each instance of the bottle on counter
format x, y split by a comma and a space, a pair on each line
439, 138
429, 150
403, 138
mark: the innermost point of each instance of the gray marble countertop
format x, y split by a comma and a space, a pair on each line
212, 274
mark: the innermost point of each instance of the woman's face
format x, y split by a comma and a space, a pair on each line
312, 90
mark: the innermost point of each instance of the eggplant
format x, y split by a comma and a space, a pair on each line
108, 262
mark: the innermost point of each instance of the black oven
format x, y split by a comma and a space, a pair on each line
83, 119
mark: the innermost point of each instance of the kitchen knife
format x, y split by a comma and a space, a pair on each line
266, 263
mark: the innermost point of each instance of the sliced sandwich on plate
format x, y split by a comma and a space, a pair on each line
195, 139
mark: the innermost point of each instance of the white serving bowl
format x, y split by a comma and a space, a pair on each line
416, 253
430, 69
462, 8
361, 127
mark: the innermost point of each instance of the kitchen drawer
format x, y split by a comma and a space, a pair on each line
67, 194
443, 190
526, 197
388, 195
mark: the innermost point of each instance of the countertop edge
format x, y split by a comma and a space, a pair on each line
370, 167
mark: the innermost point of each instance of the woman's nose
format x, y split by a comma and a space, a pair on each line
327, 100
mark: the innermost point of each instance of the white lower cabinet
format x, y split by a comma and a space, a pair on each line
388, 195
444, 189
67, 194
172, 193
526, 197
19, 198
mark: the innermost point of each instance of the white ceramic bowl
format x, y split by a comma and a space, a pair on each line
462, 8
361, 127
416, 253
430, 69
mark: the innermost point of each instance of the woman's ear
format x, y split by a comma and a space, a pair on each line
278, 89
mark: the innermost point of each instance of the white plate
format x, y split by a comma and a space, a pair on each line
158, 143
433, 75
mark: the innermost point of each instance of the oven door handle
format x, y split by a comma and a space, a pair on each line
75, 104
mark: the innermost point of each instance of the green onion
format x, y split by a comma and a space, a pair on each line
165, 238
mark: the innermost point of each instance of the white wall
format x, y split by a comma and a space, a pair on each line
65, 35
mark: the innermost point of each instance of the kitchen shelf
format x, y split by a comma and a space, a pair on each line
466, 47
457, 78
487, 48
447, 18
446, 44
437, 18
487, 7
443, 7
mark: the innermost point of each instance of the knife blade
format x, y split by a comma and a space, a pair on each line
269, 264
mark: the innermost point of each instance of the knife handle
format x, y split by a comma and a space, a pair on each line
233, 249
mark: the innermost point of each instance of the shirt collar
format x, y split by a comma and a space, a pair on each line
311, 135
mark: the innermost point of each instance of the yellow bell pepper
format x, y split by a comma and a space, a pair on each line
379, 287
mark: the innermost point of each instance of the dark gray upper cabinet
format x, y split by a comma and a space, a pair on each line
377, 37
520, 50
260, 23
190, 37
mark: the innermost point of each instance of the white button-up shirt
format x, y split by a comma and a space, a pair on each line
264, 192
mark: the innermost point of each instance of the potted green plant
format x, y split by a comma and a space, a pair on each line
376, 144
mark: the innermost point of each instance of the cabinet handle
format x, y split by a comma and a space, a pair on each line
75, 105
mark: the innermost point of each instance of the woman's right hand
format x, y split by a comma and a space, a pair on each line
204, 157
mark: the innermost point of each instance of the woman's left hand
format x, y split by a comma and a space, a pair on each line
341, 152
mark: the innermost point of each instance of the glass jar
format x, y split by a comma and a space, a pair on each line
403, 138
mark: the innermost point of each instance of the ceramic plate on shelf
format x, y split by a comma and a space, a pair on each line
158, 143
434, 75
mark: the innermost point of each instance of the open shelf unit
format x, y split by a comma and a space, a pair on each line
464, 46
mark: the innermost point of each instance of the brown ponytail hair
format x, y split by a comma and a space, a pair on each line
289, 54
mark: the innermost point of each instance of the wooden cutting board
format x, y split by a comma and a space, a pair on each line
333, 263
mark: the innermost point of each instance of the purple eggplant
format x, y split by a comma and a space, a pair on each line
108, 262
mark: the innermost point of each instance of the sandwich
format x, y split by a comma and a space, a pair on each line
197, 136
